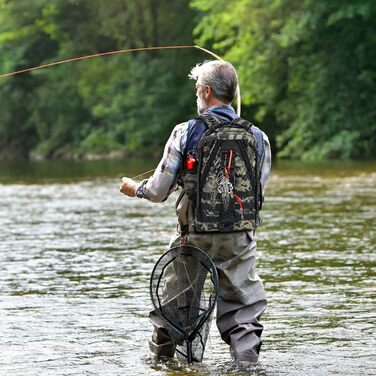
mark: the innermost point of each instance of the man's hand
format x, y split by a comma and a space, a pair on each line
128, 187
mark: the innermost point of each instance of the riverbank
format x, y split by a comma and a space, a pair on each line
30, 171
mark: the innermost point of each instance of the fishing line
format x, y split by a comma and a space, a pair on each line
144, 173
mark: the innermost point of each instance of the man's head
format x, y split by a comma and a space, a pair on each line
216, 83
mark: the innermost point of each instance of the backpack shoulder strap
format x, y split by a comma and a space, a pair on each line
210, 120
244, 123
257, 133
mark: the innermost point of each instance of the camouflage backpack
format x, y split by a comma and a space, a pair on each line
223, 183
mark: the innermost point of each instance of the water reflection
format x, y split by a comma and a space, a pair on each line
76, 258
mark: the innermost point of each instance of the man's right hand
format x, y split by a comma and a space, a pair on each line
128, 187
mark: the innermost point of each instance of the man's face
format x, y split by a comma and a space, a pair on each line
202, 104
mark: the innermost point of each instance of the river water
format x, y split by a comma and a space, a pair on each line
76, 257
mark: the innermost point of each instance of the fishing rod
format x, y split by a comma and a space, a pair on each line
43, 66
148, 49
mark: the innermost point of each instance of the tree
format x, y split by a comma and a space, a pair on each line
307, 70
21, 44
122, 102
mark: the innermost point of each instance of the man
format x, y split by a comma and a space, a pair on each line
241, 297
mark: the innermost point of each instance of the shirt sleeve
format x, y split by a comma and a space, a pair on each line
266, 166
164, 179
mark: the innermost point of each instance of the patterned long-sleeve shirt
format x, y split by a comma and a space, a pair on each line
164, 180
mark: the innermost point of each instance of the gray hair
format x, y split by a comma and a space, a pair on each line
220, 75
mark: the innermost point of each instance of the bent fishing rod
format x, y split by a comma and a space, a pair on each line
140, 49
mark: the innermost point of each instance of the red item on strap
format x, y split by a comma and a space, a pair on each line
190, 162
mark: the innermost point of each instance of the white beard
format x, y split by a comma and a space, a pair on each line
202, 106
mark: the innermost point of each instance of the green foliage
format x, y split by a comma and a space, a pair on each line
122, 102
307, 70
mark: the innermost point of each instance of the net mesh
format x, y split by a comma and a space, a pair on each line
183, 289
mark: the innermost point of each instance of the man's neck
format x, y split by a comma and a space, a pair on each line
216, 102
222, 105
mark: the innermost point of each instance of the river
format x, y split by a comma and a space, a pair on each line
76, 258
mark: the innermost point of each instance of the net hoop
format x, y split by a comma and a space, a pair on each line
204, 261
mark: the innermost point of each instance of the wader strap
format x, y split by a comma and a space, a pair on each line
184, 231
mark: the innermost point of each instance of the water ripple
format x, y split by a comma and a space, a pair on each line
76, 259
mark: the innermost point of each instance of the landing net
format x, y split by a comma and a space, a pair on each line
183, 289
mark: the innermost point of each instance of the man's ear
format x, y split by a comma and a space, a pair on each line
208, 91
